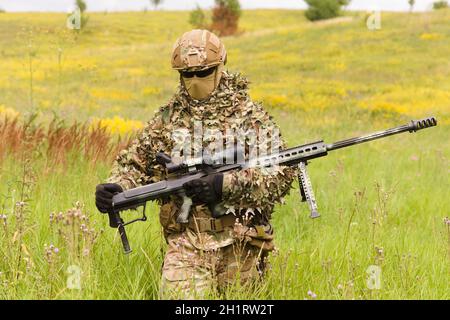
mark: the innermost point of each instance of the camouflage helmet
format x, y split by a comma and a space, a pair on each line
198, 50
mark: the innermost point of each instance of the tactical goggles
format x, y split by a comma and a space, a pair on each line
198, 74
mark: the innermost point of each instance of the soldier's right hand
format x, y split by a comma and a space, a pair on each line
103, 196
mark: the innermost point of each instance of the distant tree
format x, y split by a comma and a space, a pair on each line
2, 10
440, 5
225, 17
78, 19
81, 5
344, 3
411, 5
156, 3
324, 9
197, 18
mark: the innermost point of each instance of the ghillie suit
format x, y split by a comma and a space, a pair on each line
208, 252
249, 195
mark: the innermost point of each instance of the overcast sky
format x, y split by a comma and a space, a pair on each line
124, 5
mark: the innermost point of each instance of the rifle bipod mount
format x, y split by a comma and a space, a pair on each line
306, 190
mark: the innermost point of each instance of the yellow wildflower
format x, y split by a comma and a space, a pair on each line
430, 36
8, 113
118, 125
150, 91
111, 94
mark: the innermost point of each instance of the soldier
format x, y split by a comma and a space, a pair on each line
207, 253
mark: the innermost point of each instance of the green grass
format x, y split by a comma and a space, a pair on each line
382, 203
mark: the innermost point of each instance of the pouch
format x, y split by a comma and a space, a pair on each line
168, 218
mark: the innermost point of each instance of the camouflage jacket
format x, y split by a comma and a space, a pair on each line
252, 191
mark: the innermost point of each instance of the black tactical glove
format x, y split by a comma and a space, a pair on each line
104, 194
206, 190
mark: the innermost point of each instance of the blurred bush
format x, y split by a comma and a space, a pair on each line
156, 3
197, 18
411, 5
84, 18
324, 9
225, 17
440, 5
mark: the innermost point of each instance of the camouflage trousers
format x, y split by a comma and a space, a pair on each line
192, 273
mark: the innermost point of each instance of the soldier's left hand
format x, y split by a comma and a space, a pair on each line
205, 190
103, 196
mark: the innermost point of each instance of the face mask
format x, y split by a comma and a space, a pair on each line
200, 88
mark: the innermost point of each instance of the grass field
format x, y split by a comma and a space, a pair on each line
382, 203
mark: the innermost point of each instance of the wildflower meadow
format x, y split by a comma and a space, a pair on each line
71, 100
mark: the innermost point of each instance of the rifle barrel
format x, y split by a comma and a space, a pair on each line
413, 126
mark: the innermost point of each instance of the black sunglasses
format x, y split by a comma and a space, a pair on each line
198, 74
